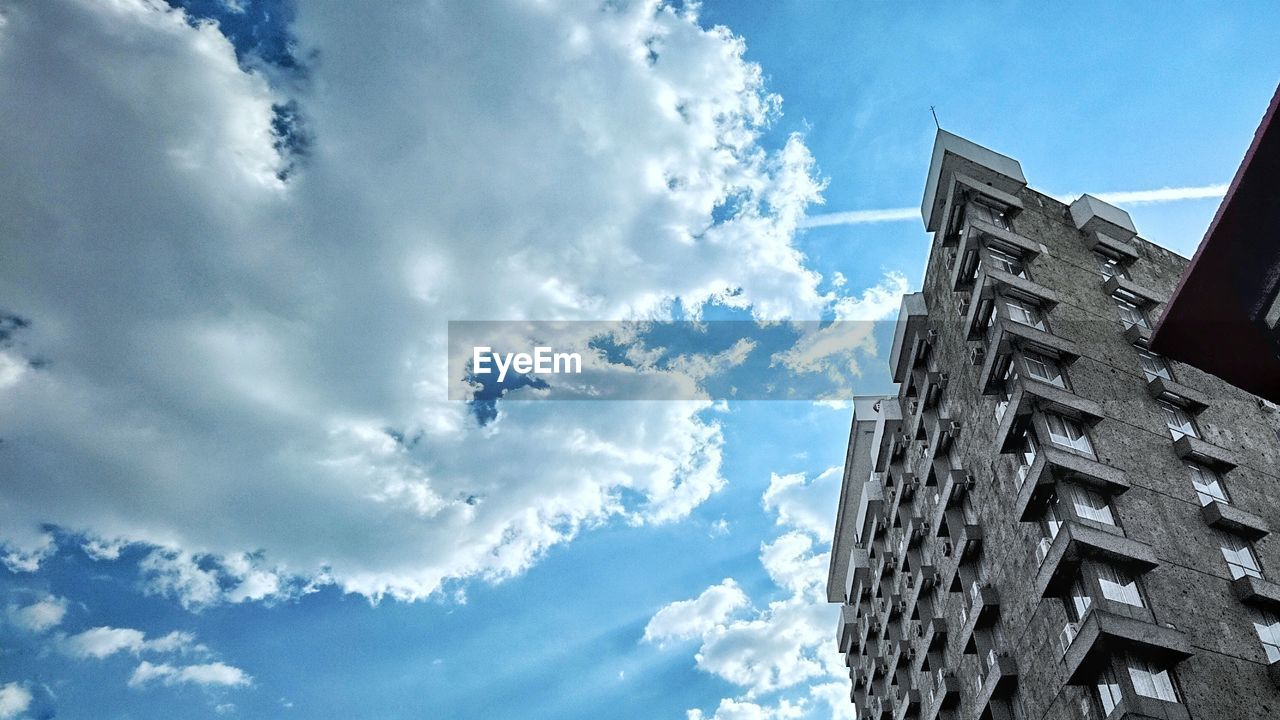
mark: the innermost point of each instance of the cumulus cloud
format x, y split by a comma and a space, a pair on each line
803, 503
214, 674
781, 655
691, 618
14, 700
247, 374
40, 615
731, 709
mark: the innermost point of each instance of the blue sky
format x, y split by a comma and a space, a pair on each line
234, 248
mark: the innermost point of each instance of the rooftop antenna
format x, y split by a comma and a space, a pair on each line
935, 117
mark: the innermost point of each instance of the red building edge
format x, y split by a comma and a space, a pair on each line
1222, 317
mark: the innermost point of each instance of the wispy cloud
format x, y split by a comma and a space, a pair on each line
1127, 197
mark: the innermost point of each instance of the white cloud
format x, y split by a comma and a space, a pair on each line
782, 656
731, 709
833, 349
207, 674
41, 615
101, 642
241, 404
805, 504
14, 700
686, 619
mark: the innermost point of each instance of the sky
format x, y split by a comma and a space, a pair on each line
232, 482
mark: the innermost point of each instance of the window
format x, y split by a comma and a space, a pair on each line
1208, 484
1024, 312
1051, 521
1008, 262
1090, 505
1026, 455
1150, 681
1077, 601
1238, 553
988, 213
1108, 687
1267, 624
1178, 421
1131, 314
967, 509
1068, 433
1153, 366
1119, 586
1044, 368
1010, 375
1111, 267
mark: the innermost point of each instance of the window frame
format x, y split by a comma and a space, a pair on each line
1027, 308
1081, 444
1140, 318
1186, 426
1240, 548
1145, 354
1268, 633
1128, 587
1197, 472
1058, 379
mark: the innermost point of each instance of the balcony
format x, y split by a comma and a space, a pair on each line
961, 168
1234, 520
1075, 542
952, 485
1030, 395
1193, 448
1256, 591
976, 235
908, 704
1102, 633
846, 627
981, 608
943, 694
990, 286
1053, 465
997, 678
1189, 398
935, 633
1005, 335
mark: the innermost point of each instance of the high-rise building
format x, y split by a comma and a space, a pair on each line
1049, 520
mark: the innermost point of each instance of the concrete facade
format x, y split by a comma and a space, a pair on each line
1019, 534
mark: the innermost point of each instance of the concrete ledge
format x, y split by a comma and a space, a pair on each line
1138, 335
1102, 633
1194, 448
1190, 398
1233, 519
954, 156
1256, 591
1131, 290
1006, 335
1053, 466
1077, 541
1102, 242
1092, 215
1001, 678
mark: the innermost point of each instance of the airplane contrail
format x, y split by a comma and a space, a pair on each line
1128, 197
